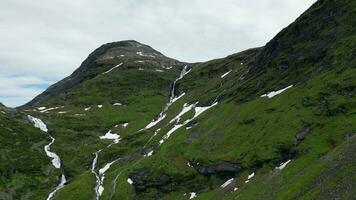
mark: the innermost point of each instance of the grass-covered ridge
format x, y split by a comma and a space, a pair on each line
242, 135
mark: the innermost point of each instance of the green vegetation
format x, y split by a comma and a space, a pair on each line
311, 123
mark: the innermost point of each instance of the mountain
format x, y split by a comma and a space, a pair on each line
275, 122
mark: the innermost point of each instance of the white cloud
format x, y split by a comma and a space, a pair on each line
17, 90
49, 39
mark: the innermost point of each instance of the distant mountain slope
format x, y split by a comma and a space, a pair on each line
275, 122
103, 59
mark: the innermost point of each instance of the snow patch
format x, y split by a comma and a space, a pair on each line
283, 165
100, 106
186, 108
113, 68
192, 195
222, 76
176, 98
145, 55
274, 93
251, 175
149, 154
200, 110
49, 109
41, 108
154, 122
87, 109
111, 136
129, 181
125, 125
117, 104
227, 183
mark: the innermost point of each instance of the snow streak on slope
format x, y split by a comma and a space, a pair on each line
227, 183
113, 68
222, 76
172, 99
100, 175
56, 162
283, 165
186, 108
274, 93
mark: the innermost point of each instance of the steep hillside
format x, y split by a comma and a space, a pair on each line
276, 122
25, 170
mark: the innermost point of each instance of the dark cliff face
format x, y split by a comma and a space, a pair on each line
311, 39
109, 54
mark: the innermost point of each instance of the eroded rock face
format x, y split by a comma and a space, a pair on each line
219, 168
142, 180
300, 136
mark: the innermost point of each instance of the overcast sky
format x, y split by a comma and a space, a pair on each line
43, 41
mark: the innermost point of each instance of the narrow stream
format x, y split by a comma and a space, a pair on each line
56, 161
160, 117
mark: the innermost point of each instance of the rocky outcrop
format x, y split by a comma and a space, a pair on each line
222, 167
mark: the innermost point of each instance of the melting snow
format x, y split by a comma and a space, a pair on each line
274, 93
111, 136
62, 112
146, 55
41, 108
117, 104
149, 154
235, 188
125, 125
283, 165
139, 61
49, 109
154, 122
222, 76
113, 68
169, 133
251, 175
141, 69
159, 70
186, 108
200, 110
87, 109
176, 98
227, 183
129, 181
192, 195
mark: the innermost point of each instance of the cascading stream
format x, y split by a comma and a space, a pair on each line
56, 161
160, 117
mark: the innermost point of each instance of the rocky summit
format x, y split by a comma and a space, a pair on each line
273, 122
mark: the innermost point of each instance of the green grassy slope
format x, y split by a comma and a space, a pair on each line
311, 123
25, 170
